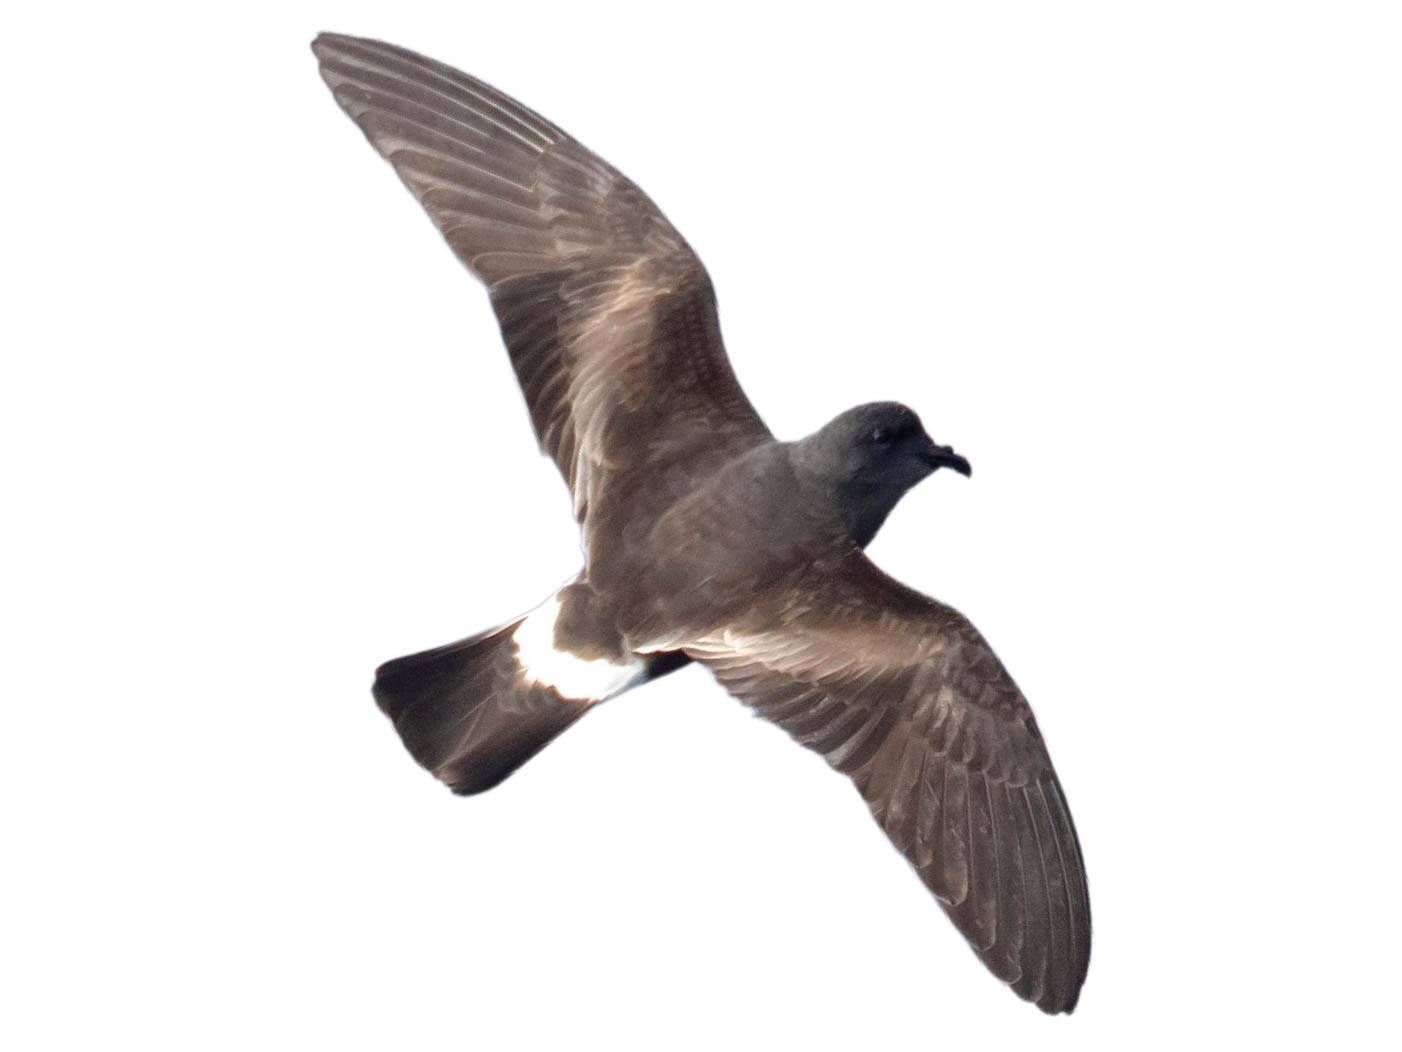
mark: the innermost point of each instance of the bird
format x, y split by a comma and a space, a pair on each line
706, 539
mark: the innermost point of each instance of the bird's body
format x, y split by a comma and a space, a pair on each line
705, 537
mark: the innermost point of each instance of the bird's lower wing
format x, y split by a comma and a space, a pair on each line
905, 697
608, 315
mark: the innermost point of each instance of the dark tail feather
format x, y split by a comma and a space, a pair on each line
465, 712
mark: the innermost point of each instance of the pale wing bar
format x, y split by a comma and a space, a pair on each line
904, 696
598, 296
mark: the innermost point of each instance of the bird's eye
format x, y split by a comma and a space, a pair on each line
881, 437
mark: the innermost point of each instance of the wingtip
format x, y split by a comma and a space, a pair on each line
326, 41
1063, 1005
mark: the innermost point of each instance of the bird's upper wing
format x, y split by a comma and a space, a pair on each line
608, 315
903, 695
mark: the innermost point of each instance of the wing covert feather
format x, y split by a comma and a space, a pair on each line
609, 317
904, 696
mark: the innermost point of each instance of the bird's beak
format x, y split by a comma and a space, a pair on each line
944, 457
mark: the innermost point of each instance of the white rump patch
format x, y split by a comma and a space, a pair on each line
571, 676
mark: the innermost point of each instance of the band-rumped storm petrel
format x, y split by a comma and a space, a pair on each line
706, 538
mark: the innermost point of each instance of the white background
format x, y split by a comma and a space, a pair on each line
1140, 262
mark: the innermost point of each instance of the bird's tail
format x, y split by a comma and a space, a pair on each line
474, 711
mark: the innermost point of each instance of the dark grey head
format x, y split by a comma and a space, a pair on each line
870, 456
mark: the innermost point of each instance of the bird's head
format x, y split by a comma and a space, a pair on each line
871, 456
883, 444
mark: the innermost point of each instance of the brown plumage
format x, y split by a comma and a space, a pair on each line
705, 537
